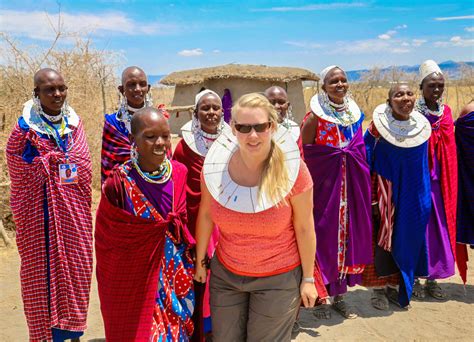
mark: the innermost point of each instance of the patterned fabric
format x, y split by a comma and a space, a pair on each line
115, 145
338, 136
407, 171
442, 146
171, 271
387, 211
465, 149
175, 298
33, 164
194, 162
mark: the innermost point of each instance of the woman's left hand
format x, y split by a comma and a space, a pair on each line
308, 294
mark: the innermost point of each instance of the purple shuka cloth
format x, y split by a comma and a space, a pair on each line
465, 147
324, 164
159, 195
227, 105
440, 256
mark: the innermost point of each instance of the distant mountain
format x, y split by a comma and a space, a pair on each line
451, 68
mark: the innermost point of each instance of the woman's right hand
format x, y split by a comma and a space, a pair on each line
200, 274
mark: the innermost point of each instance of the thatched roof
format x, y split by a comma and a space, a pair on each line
245, 71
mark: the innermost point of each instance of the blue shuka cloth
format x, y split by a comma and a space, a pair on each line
407, 170
465, 148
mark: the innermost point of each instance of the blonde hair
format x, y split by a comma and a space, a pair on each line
274, 182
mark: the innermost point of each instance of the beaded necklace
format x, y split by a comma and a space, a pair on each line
340, 111
160, 176
421, 107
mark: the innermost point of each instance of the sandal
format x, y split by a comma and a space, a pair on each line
418, 290
379, 300
392, 296
344, 309
434, 290
296, 328
322, 311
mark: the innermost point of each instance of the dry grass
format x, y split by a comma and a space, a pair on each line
91, 77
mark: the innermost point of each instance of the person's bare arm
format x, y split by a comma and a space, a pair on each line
204, 226
303, 222
308, 132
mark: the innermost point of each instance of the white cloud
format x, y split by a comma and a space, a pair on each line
216, 51
464, 17
314, 7
304, 44
400, 27
388, 35
469, 29
384, 36
191, 53
457, 41
405, 44
39, 25
418, 42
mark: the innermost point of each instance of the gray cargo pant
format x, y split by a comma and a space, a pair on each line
253, 308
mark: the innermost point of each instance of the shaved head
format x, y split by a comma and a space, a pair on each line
144, 114
42, 75
395, 87
131, 70
275, 90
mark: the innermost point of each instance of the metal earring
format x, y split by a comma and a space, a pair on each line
36, 103
289, 113
195, 125
148, 100
134, 154
65, 109
122, 112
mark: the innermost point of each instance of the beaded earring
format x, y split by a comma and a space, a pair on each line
134, 154
196, 124
123, 108
148, 100
36, 103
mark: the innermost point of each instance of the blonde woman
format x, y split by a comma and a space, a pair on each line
258, 191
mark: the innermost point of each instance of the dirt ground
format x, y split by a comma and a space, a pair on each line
428, 320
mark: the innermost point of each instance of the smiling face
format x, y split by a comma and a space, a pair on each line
209, 113
433, 87
51, 90
402, 101
336, 85
152, 137
134, 86
254, 144
279, 99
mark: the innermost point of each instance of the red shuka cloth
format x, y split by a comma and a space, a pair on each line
193, 163
442, 144
69, 227
128, 252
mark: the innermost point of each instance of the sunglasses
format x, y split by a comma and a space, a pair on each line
259, 128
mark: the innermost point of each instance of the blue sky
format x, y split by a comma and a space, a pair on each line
163, 36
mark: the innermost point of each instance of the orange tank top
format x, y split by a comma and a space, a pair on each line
260, 244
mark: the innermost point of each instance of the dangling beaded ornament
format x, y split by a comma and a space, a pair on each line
122, 114
289, 118
195, 125
134, 154
148, 100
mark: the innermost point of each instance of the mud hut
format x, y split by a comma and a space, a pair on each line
239, 79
